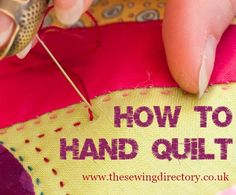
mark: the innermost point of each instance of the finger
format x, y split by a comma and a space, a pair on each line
27, 49
68, 12
191, 32
87, 4
6, 29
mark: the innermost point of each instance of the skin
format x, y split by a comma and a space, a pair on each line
187, 25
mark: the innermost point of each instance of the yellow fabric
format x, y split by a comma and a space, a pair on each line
71, 171
120, 11
110, 11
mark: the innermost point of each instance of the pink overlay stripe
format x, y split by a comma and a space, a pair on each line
100, 60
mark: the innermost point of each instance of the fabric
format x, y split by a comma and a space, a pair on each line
38, 142
113, 11
14, 179
93, 55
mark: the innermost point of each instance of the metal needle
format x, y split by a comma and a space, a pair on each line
64, 72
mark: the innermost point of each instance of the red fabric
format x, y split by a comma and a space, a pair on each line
100, 60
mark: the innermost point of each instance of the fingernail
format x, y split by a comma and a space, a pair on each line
5, 35
70, 15
207, 64
25, 51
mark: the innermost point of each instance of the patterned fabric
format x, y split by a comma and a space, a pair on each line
113, 11
37, 144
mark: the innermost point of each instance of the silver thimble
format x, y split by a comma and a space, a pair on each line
27, 16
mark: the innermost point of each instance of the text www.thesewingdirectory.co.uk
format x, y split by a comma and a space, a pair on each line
155, 178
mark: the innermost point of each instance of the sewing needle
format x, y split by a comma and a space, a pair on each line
64, 73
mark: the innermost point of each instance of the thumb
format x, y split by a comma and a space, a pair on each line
191, 32
69, 11
6, 29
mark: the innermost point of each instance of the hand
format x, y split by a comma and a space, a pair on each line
191, 32
67, 11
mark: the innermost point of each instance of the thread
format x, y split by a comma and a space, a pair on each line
64, 72
21, 158
27, 141
38, 181
92, 18
77, 124
58, 130
41, 135
54, 171
12, 149
30, 168
38, 149
46, 160
62, 184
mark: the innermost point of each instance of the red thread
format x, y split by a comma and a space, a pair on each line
27, 141
61, 184
41, 135
53, 116
166, 92
70, 111
91, 117
58, 129
226, 87
46, 13
106, 99
54, 171
46, 160
37, 122
90, 15
38, 149
20, 128
145, 92
77, 124
3, 131
125, 95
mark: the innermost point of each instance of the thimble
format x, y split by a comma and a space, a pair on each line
27, 16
